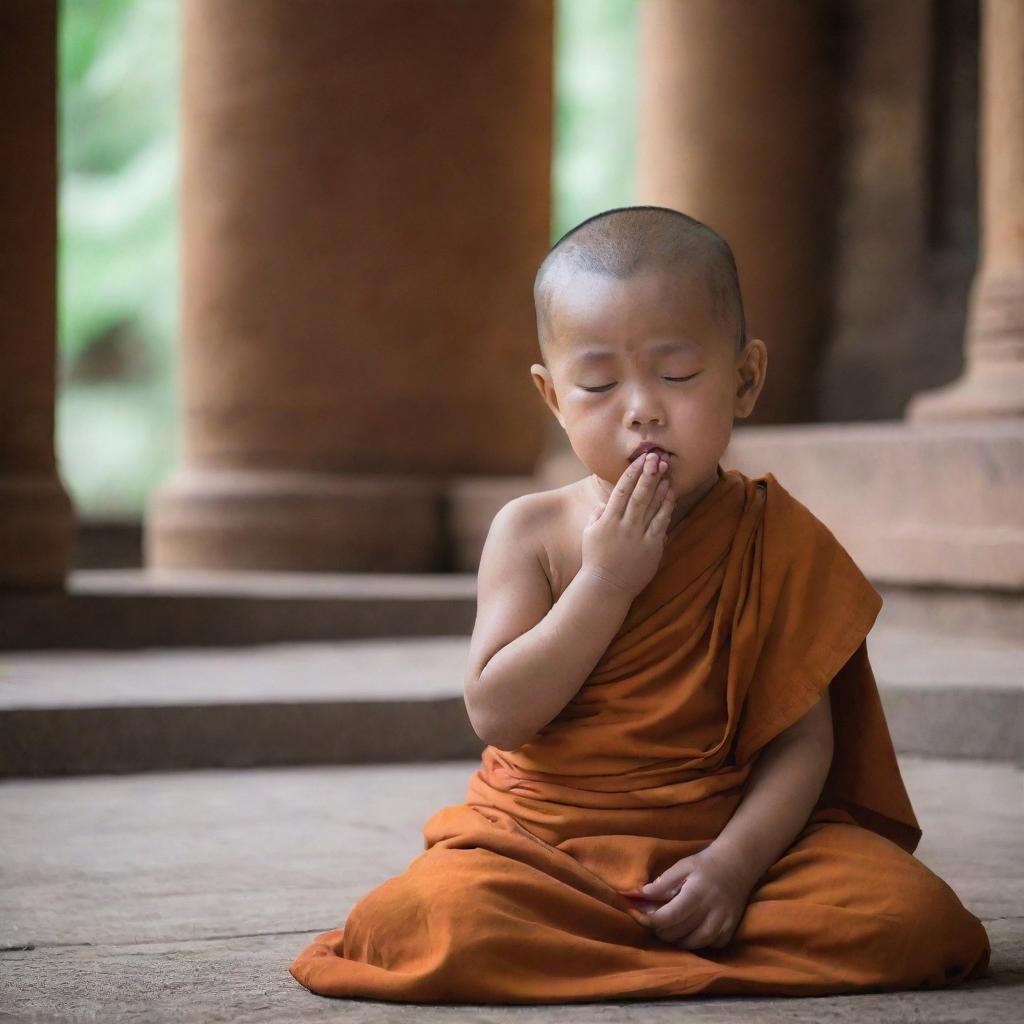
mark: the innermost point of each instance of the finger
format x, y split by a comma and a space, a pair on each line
640, 499
690, 932
663, 516
664, 887
670, 880
617, 500
681, 909
661, 492
701, 938
655, 901
647, 906
638, 898
697, 930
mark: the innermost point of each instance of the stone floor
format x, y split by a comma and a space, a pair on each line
165, 897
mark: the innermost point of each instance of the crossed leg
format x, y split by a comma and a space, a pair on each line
491, 914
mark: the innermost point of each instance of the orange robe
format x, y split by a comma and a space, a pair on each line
755, 611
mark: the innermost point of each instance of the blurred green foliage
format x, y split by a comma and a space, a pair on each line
118, 272
596, 65
117, 258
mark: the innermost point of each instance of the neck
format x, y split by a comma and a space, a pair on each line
685, 502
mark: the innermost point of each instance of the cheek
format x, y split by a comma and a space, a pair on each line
701, 432
592, 440
589, 425
713, 433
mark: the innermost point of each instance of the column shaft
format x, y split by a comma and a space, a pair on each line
36, 519
365, 200
992, 384
738, 127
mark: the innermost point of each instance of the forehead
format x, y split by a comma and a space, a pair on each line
592, 313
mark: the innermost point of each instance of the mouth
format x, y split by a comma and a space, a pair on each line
646, 447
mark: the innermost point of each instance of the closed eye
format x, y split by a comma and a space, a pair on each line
605, 387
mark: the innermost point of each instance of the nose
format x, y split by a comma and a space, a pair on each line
644, 407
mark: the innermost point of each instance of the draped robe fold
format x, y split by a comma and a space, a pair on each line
755, 612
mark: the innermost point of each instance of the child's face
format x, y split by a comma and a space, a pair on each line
637, 401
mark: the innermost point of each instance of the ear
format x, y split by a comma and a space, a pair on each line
751, 368
542, 378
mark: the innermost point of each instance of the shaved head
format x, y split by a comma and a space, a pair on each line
622, 242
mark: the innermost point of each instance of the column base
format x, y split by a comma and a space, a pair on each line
37, 529
915, 505
291, 521
987, 390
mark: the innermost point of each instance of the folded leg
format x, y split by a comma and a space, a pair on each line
490, 913
845, 909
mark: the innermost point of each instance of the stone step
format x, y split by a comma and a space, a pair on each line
126, 609
134, 897
400, 699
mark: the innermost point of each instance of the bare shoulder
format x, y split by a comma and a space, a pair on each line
552, 521
516, 577
522, 528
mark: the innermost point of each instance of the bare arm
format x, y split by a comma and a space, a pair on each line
782, 789
527, 683
528, 657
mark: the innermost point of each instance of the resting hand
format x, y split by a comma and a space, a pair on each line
698, 902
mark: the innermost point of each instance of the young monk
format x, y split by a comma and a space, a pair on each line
689, 784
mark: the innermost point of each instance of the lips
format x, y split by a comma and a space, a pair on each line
648, 446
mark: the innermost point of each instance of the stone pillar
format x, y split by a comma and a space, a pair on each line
992, 384
365, 201
36, 518
889, 331
738, 127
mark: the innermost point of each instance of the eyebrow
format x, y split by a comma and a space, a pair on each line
596, 355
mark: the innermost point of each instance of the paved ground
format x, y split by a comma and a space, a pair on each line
183, 896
